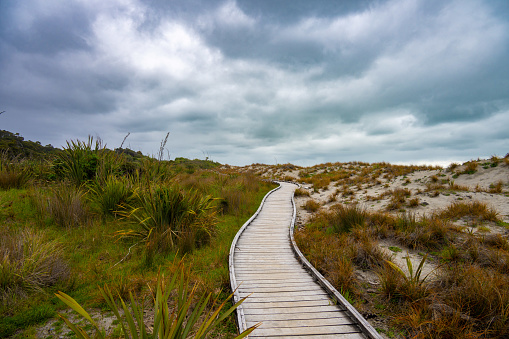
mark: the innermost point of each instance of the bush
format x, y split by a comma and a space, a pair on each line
311, 205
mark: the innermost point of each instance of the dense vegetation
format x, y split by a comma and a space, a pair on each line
86, 219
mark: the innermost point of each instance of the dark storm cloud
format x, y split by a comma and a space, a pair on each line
255, 81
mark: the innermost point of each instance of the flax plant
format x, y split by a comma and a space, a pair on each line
187, 319
168, 216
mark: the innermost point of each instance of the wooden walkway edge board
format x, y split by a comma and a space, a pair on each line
285, 292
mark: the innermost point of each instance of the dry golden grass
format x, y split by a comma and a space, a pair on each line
311, 205
301, 192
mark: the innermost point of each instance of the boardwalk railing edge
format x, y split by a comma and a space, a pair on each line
241, 320
365, 326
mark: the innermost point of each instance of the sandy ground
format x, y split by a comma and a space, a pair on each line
456, 187
472, 187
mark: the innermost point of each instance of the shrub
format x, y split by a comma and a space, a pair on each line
13, 173
28, 262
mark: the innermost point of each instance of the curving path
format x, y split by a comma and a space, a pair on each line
286, 298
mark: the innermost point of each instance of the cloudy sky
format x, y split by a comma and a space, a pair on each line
269, 81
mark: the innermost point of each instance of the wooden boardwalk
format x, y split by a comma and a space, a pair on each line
283, 296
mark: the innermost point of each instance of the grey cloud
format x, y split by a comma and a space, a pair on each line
251, 81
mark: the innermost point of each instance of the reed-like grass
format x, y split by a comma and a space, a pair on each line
14, 173
28, 262
476, 209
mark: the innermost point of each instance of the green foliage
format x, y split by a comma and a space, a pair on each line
15, 146
34, 315
110, 195
189, 318
169, 216
78, 161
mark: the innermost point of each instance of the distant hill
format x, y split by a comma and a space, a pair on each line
14, 145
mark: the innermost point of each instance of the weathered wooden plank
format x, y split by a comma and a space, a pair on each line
283, 310
269, 294
298, 316
251, 304
333, 329
320, 336
302, 322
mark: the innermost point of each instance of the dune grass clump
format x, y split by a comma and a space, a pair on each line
475, 210
301, 192
470, 167
311, 205
342, 218
398, 198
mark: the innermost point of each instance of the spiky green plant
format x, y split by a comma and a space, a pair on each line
78, 161
413, 286
168, 214
109, 195
188, 319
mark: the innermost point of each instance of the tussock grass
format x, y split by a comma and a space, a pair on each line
64, 204
342, 219
301, 192
311, 205
14, 173
109, 196
476, 210
28, 262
